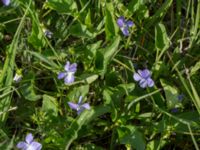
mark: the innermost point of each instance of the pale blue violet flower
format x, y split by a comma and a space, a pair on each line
180, 97
68, 75
47, 33
17, 78
124, 25
174, 110
29, 144
144, 78
80, 106
6, 2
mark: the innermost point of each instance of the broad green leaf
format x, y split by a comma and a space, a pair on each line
191, 117
131, 135
162, 41
156, 144
78, 91
160, 68
104, 56
50, 105
161, 37
80, 30
28, 90
36, 39
127, 88
111, 28
62, 6
171, 94
85, 117
138, 8
88, 21
115, 96
88, 78
178, 122
195, 68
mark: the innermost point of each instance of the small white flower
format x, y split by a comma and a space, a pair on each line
17, 78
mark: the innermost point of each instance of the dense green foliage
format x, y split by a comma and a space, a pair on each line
37, 38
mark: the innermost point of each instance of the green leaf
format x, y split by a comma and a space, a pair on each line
88, 115
191, 117
62, 6
36, 39
115, 96
44, 59
195, 68
80, 30
162, 41
161, 37
78, 91
138, 8
131, 135
111, 28
104, 56
50, 105
27, 88
159, 69
171, 94
159, 14
88, 21
6, 76
89, 78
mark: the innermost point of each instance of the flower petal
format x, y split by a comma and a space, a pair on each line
73, 67
129, 23
61, 75
35, 146
69, 78
121, 22
80, 110
6, 2
180, 97
73, 105
86, 106
80, 100
125, 31
174, 110
67, 65
144, 73
22, 145
48, 33
29, 138
150, 82
137, 77
143, 83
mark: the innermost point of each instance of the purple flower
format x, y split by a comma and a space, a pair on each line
6, 2
124, 25
180, 97
68, 75
144, 78
79, 107
174, 110
48, 33
29, 144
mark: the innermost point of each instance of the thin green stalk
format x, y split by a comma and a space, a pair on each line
193, 139
141, 98
181, 120
7, 73
196, 26
195, 94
